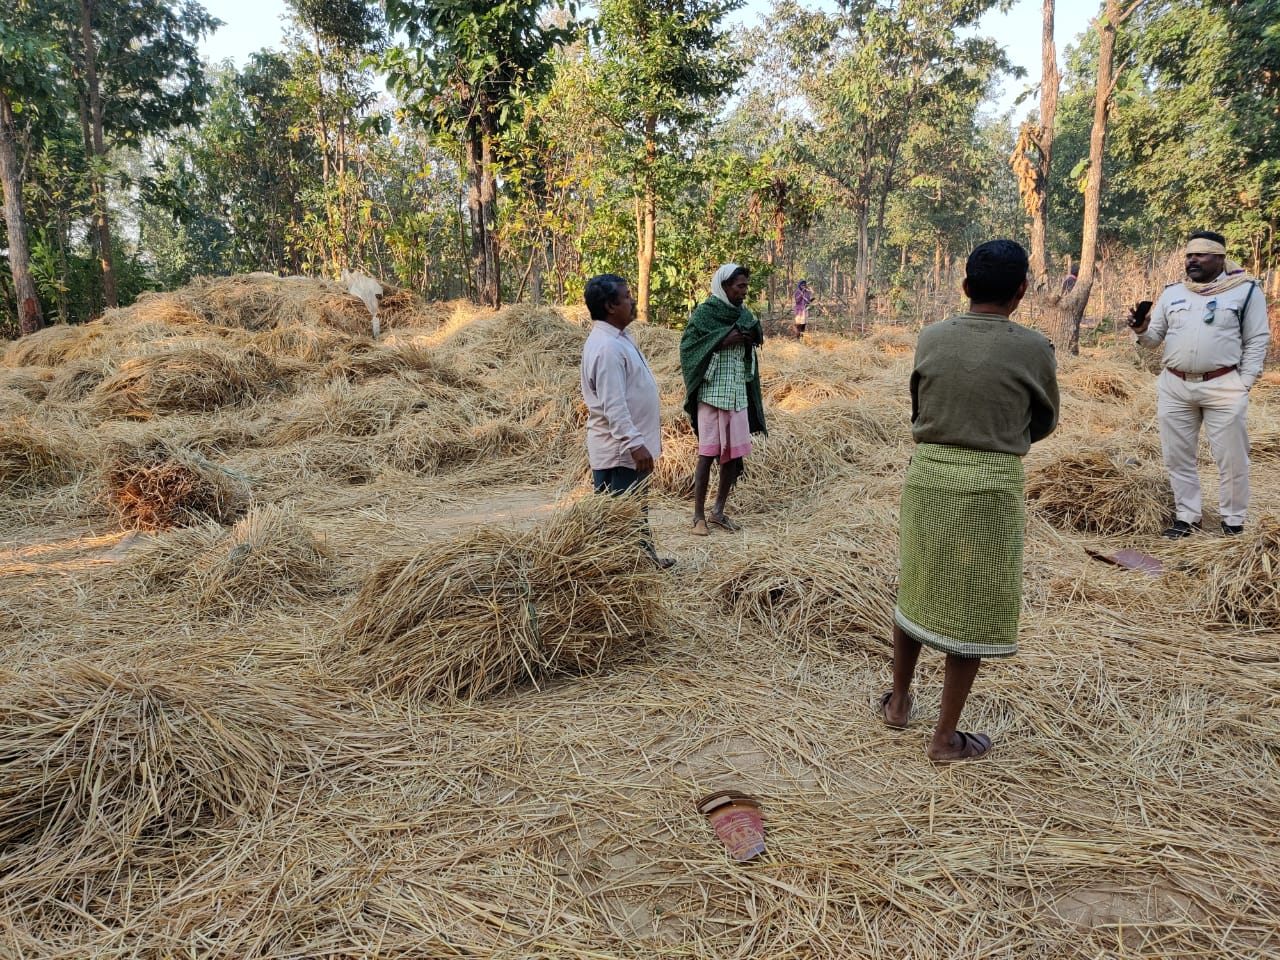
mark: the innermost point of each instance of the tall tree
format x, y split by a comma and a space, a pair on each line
137, 71
664, 66
332, 43
27, 65
465, 72
1070, 310
870, 72
1033, 155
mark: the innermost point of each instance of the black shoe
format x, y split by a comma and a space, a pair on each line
1179, 530
1231, 530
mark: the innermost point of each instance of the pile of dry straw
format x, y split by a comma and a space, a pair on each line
315, 645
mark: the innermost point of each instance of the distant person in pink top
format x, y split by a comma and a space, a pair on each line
804, 298
624, 424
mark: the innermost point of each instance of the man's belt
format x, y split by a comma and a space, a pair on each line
1198, 377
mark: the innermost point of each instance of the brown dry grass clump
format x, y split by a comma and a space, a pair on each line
45, 348
159, 486
33, 383
260, 301
1109, 382
77, 379
340, 409
97, 760
438, 441
184, 380
32, 458
170, 309
479, 615
832, 582
305, 342
1238, 582
1091, 492
269, 558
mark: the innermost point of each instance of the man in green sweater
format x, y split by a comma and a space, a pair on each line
983, 390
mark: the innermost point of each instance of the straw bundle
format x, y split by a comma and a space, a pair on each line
309, 464
47, 347
358, 363
158, 486
1092, 493
797, 396
1264, 446
517, 334
832, 582
183, 380
305, 342
260, 301
1239, 580
440, 440
32, 458
343, 410
91, 758
1101, 381
76, 380
31, 383
269, 558
477, 616
170, 309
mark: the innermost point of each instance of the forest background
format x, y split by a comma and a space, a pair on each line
509, 150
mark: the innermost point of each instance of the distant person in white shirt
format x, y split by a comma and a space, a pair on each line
1215, 333
624, 424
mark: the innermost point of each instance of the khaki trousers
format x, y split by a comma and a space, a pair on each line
1221, 404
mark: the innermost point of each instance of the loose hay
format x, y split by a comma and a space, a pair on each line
183, 380
269, 558
1238, 580
475, 617
1091, 492
1110, 382
32, 458
158, 487
76, 380
93, 757
830, 585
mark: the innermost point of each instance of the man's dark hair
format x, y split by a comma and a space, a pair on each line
740, 272
601, 293
1208, 235
995, 270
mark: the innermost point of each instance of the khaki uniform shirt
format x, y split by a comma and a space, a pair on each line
1195, 343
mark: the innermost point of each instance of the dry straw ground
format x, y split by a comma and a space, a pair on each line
313, 647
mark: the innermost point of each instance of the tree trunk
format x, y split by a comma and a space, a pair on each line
1070, 310
647, 223
862, 270
98, 157
491, 294
30, 318
475, 215
1044, 143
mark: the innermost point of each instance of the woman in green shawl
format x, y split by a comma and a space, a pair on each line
722, 389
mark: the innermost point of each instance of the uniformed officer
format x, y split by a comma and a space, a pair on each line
1215, 333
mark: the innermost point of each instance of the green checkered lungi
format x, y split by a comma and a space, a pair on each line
960, 548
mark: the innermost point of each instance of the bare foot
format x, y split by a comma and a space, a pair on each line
894, 716
962, 746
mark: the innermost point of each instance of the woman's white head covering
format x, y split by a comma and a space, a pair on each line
719, 280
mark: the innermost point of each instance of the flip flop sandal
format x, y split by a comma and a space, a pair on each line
970, 741
700, 529
884, 707
723, 522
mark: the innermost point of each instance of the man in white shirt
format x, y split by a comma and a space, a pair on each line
624, 423
1215, 334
